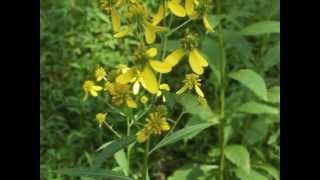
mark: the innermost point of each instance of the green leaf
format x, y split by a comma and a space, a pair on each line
257, 108
270, 170
112, 148
274, 137
122, 161
181, 134
262, 27
272, 57
193, 172
215, 20
274, 94
191, 105
253, 175
238, 155
252, 80
256, 132
211, 50
92, 172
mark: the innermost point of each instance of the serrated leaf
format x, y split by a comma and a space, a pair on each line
112, 148
257, 108
92, 172
262, 27
253, 175
122, 161
256, 132
238, 155
181, 134
252, 80
270, 170
274, 94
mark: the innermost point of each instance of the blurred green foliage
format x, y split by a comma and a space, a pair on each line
76, 36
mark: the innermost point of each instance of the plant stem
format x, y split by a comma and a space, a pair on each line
145, 161
112, 130
222, 95
178, 27
129, 147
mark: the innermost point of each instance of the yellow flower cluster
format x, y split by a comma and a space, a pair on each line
156, 123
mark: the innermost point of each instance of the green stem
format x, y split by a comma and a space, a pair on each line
145, 161
178, 27
129, 147
222, 95
112, 130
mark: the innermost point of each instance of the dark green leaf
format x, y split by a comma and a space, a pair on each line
262, 28
238, 155
92, 172
257, 108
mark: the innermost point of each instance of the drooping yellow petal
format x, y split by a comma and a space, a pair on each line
115, 18
126, 77
174, 58
150, 82
200, 58
199, 91
123, 33
189, 7
152, 52
195, 63
165, 87
131, 103
93, 93
149, 33
160, 67
136, 88
176, 9
159, 16
97, 88
182, 90
207, 24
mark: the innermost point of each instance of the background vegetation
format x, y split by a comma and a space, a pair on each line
76, 36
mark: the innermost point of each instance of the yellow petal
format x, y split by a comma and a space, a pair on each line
200, 58
136, 88
176, 9
149, 33
142, 136
115, 18
152, 52
123, 33
195, 64
159, 66
189, 7
131, 103
150, 82
97, 88
199, 91
126, 77
159, 16
174, 58
207, 24
182, 90
164, 87
165, 126
93, 93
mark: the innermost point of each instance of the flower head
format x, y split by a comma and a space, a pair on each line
121, 94
101, 118
100, 73
191, 81
90, 88
144, 99
199, 9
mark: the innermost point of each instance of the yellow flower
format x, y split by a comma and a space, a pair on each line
202, 7
142, 136
110, 7
174, 7
196, 61
164, 87
101, 118
121, 94
143, 74
138, 16
144, 99
90, 88
155, 124
191, 81
100, 73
